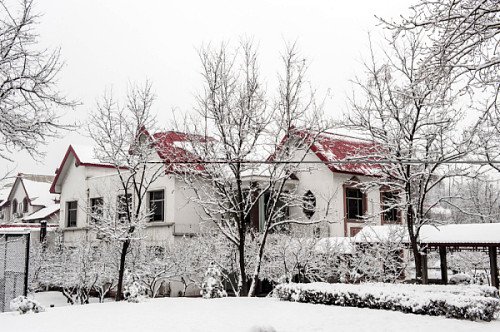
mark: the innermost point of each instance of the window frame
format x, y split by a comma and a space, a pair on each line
25, 205
361, 200
69, 224
153, 208
383, 220
14, 206
353, 183
128, 197
93, 207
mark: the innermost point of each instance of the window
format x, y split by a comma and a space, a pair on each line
156, 205
281, 211
14, 206
123, 201
390, 213
309, 204
96, 205
71, 213
354, 202
25, 204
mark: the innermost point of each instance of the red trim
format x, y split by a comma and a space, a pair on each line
77, 163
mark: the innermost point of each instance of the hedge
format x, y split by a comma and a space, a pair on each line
462, 302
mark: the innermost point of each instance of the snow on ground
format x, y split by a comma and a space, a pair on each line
228, 314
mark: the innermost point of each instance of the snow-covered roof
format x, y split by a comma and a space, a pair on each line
461, 233
43, 213
39, 192
4, 194
340, 244
173, 146
443, 234
331, 147
85, 154
384, 233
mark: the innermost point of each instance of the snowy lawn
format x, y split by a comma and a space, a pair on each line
228, 314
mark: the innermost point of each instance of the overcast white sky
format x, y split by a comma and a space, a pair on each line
108, 43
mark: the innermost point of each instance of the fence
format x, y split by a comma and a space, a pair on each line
14, 263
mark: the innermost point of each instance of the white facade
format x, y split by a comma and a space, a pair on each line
81, 182
328, 189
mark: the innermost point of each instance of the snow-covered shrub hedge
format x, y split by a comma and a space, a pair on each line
472, 304
460, 279
25, 305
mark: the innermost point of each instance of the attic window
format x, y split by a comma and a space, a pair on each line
25, 204
14, 205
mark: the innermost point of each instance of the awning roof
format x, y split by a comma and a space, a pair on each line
452, 234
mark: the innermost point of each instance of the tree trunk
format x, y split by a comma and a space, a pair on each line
243, 283
121, 271
255, 277
413, 242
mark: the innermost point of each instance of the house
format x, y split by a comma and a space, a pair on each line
330, 189
82, 182
26, 203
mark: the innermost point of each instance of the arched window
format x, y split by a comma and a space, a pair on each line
309, 204
14, 205
25, 204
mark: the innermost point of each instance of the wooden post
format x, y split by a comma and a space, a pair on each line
425, 278
444, 265
493, 266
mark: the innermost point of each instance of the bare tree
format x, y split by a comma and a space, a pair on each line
474, 200
237, 121
29, 98
462, 40
122, 141
409, 111
463, 36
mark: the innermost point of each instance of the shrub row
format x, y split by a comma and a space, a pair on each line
473, 304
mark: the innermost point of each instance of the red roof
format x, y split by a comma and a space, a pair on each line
173, 147
330, 147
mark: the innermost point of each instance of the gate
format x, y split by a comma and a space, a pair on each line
14, 263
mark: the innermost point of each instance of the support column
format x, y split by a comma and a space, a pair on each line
493, 266
444, 265
425, 276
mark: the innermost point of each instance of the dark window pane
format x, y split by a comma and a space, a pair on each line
354, 203
123, 201
389, 200
156, 205
71, 212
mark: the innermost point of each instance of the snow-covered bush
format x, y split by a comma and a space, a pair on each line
25, 305
460, 279
212, 284
134, 292
470, 304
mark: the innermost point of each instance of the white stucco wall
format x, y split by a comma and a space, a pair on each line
81, 183
327, 186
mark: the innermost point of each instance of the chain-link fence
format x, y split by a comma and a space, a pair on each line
14, 262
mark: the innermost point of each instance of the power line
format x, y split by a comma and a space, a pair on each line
340, 162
